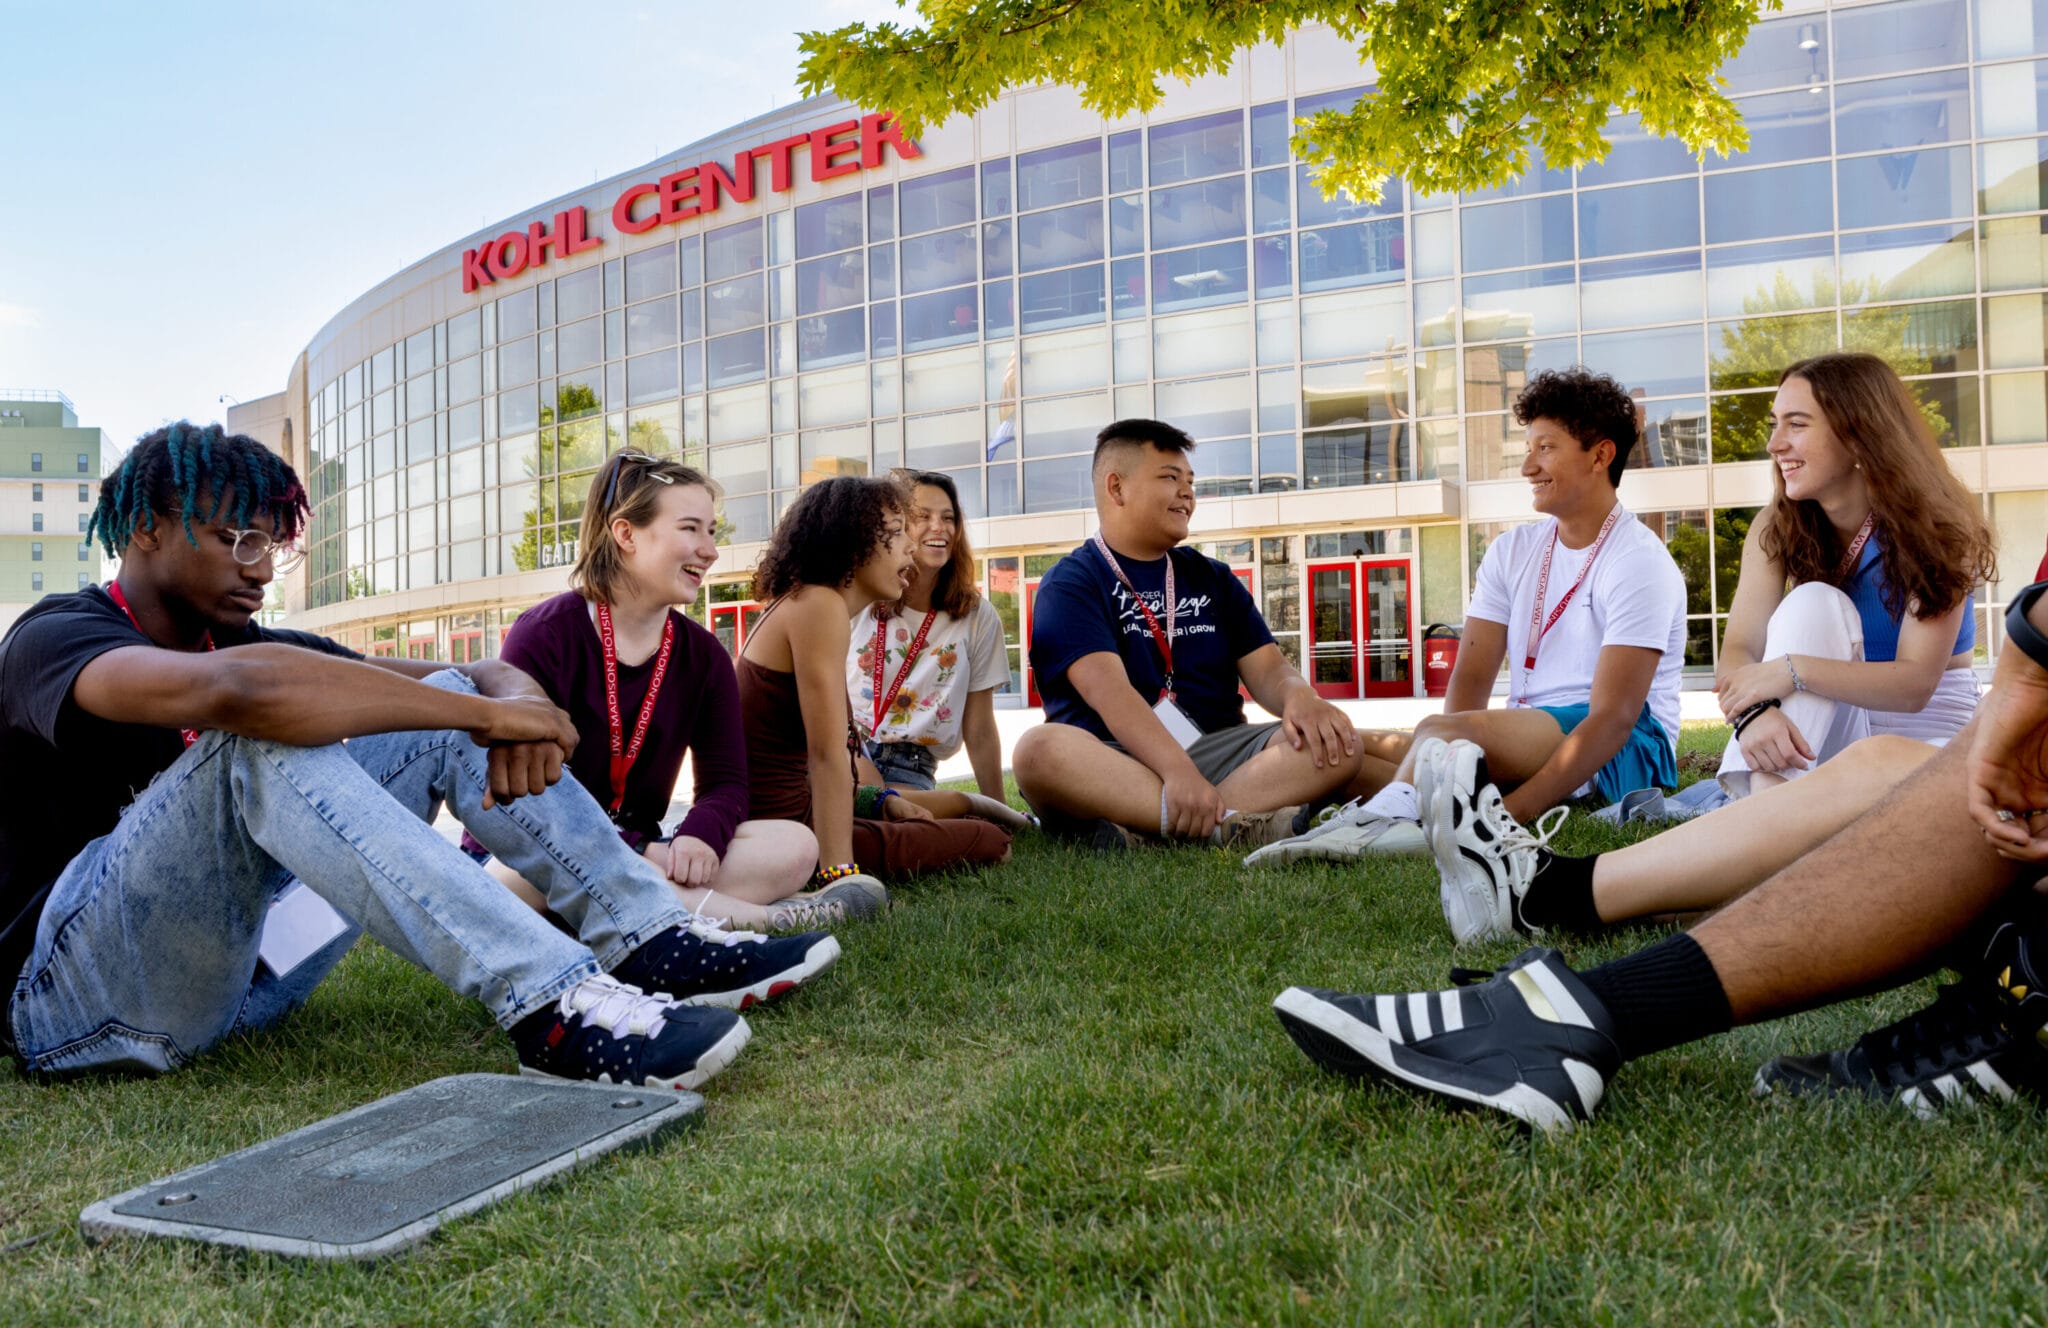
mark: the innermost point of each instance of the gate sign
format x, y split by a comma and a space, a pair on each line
694, 191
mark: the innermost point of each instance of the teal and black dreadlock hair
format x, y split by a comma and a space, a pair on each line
191, 472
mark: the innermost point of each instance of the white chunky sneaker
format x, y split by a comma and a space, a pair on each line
1485, 857
1343, 834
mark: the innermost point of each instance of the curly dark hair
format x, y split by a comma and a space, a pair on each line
828, 532
1590, 406
188, 472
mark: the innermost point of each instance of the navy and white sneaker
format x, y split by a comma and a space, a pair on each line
702, 963
1485, 859
1530, 1041
1977, 1042
605, 1031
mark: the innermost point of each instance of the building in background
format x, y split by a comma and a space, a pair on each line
49, 483
805, 295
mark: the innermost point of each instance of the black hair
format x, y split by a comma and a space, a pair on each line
1589, 406
189, 471
828, 532
1138, 433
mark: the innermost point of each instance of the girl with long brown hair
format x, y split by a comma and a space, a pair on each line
1881, 548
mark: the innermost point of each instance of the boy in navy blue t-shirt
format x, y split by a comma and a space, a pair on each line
1139, 646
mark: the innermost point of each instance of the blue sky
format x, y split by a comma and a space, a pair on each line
189, 191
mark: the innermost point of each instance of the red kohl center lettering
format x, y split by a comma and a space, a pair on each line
835, 150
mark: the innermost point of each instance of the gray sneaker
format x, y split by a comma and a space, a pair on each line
1344, 834
848, 899
1253, 829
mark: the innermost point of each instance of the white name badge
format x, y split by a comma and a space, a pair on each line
299, 923
1177, 722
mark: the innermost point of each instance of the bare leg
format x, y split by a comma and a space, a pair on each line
1707, 862
1065, 769
767, 862
1279, 776
1517, 742
942, 803
1879, 901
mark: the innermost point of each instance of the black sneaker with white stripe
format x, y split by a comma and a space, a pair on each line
1977, 1042
1530, 1040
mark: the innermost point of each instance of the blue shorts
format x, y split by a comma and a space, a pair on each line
1644, 759
907, 763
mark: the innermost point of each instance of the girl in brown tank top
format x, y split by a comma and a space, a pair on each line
839, 549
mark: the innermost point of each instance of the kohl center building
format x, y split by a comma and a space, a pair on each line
810, 294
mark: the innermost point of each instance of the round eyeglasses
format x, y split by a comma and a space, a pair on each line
253, 546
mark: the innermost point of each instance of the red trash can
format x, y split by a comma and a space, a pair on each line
1439, 656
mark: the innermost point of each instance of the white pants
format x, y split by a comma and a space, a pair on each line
1816, 619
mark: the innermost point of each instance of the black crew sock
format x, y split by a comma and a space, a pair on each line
1663, 996
1561, 894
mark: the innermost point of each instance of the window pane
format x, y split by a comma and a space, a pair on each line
2015, 253
1754, 351
995, 188
2013, 177
652, 378
1515, 304
1202, 342
1351, 456
1636, 154
1907, 34
1904, 264
1196, 213
945, 259
1658, 363
2018, 407
995, 249
1354, 392
1495, 375
945, 199
1781, 53
1194, 278
827, 227
2016, 330
1640, 290
1537, 178
1766, 278
1783, 126
1271, 271
2012, 99
943, 318
998, 309
1937, 337
1351, 255
1271, 128
732, 250
515, 319
649, 326
1890, 113
651, 272
1336, 325
934, 442
1952, 409
933, 381
735, 359
1057, 486
829, 283
1315, 209
1223, 466
1064, 362
1065, 424
1191, 149
1905, 186
1060, 237
1628, 221
834, 338
1537, 230
732, 305
1065, 174
1272, 209
516, 366
833, 452
1208, 407
1674, 433
1755, 205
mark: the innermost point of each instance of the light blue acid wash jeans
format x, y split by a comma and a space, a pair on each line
146, 954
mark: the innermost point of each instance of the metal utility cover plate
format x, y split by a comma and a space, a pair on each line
382, 1178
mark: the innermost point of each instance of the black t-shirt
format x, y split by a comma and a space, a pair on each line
1082, 608
65, 775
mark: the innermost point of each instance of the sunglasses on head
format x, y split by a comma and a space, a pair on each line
611, 487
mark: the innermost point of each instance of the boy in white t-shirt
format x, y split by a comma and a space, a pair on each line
1593, 667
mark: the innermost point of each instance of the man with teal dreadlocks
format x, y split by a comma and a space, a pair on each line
168, 770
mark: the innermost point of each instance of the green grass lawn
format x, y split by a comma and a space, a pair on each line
1056, 1093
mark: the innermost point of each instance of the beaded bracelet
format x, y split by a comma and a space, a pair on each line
868, 801
1751, 715
827, 875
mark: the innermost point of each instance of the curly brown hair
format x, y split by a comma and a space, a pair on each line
828, 532
1935, 547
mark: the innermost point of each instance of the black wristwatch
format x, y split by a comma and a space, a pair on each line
2020, 632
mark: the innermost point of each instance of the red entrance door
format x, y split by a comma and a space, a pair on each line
730, 623
1359, 624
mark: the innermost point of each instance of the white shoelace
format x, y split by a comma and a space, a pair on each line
719, 930
619, 1008
1514, 836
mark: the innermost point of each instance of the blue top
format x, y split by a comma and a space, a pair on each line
1081, 608
1866, 587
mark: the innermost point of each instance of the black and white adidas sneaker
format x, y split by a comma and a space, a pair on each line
1977, 1042
1530, 1040
1485, 859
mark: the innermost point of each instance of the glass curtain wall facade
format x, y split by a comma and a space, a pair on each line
984, 312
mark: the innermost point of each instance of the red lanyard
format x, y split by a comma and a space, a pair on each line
883, 702
114, 591
1161, 638
1539, 626
623, 756
1856, 548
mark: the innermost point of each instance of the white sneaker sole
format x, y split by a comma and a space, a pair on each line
815, 961
715, 1058
1303, 1012
1471, 901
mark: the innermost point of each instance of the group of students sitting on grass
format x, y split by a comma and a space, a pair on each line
169, 770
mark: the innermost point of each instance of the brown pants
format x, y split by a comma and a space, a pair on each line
894, 850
